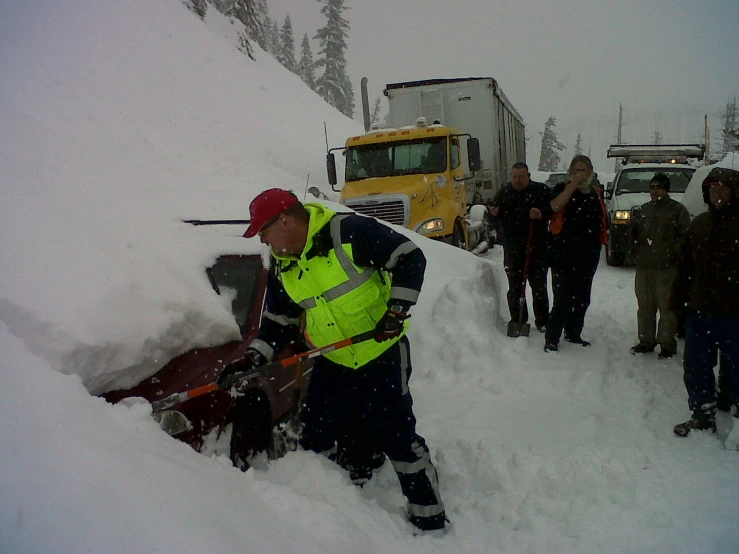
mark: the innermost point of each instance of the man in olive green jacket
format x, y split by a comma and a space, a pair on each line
657, 231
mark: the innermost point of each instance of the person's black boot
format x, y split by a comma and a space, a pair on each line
698, 422
576, 339
642, 348
665, 354
551, 345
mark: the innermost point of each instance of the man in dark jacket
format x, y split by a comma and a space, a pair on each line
657, 231
512, 205
347, 275
708, 283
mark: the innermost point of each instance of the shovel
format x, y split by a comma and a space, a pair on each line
237, 378
516, 328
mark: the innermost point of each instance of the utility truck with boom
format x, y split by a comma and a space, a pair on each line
449, 149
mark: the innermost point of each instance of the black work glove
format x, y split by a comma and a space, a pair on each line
391, 323
228, 376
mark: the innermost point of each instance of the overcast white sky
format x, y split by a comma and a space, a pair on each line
566, 58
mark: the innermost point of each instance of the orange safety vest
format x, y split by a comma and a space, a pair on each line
558, 219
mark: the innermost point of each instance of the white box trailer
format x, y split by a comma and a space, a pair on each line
474, 105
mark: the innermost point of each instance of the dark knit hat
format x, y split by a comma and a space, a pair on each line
661, 180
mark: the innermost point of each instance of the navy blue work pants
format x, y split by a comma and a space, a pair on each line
378, 393
705, 336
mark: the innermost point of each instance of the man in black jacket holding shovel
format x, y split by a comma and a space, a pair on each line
511, 206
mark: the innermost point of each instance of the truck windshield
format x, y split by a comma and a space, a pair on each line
637, 180
396, 158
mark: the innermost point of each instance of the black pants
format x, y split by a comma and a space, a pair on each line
515, 262
571, 286
378, 394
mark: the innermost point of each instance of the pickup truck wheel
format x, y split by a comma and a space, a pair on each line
614, 259
251, 432
458, 239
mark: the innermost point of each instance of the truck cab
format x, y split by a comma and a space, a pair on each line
415, 177
630, 187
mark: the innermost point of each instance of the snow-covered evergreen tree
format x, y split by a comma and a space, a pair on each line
253, 14
287, 46
274, 40
729, 128
334, 84
199, 7
550, 146
271, 37
578, 145
376, 111
306, 65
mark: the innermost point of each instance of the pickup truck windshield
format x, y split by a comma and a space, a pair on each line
396, 158
637, 180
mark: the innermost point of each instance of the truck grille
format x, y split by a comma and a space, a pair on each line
392, 210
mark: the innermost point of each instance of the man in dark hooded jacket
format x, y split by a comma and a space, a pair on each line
708, 284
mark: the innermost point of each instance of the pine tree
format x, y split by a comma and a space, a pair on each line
376, 111
306, 65
549, 158
334, 85
200, 7
578, 145
730, 128
271, 37
274, 40
287, 46
253, 14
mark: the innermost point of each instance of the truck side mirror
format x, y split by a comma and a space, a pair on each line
473, 154
608, 194
331, 169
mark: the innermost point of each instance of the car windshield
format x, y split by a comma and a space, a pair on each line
637, 180
555, 178
396, 158
237, 278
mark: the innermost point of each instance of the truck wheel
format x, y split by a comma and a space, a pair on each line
251, 433
614, 259
458, 239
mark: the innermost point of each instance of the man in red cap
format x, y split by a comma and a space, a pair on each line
708, 284
347, 275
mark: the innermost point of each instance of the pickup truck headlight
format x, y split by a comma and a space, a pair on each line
431, 226
622, 215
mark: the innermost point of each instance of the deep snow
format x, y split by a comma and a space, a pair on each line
120, 120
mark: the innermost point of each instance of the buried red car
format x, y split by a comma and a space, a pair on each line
265, 400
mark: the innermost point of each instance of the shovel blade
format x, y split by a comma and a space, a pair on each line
518, 330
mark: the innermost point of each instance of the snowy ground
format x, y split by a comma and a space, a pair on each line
121, 120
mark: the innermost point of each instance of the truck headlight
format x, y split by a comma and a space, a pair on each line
431, 226
623, 215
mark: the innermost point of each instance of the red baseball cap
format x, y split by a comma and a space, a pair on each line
266, 206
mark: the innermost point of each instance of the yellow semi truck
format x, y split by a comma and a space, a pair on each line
448, 151
414, 177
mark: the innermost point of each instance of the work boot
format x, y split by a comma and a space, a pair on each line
665, 353
642, 348
430, 524
541, 326
551, 345
576, 339
699, 422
